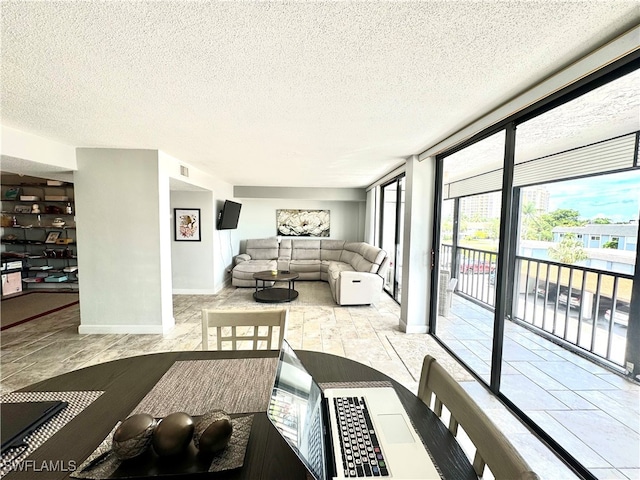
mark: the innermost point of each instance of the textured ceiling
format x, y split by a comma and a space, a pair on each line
322, 94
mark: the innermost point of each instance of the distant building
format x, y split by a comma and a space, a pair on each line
539, 196
606, 259
481, 207
596, 235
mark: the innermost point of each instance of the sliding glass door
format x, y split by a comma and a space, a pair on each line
391, 228
537, 270
469, 246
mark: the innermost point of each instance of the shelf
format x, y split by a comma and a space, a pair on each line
71, 200
28, 280
23, 242
37, 185
6, 212
26, 243
35, 257
41, 227
31, 248
52, 270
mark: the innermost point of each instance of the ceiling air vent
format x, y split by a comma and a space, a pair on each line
184, 171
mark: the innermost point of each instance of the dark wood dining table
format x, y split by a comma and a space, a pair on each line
126, 381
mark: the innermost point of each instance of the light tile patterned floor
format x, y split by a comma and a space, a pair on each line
369, 334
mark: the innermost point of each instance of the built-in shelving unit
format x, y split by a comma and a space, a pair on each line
38, 234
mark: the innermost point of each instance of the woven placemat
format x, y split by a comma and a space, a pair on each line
77, 401
239, 385
230, 458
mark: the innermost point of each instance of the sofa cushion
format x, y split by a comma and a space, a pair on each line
263, 248
302, 266
372, 254
243, 257
246, 270
336, 267
362, 256
305, 250
285, 249
331, 249
347, 256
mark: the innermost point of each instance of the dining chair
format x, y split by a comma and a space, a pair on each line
493, 448
255, 326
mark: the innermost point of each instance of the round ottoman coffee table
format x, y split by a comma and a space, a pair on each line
275, 294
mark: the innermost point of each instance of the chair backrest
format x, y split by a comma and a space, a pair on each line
492, 446
245, 326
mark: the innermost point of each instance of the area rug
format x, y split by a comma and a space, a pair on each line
310, 294
24, 308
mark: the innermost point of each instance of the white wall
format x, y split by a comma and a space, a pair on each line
202, 268
258, 217
124, 264
192, 262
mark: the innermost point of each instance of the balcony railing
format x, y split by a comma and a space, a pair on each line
585, 307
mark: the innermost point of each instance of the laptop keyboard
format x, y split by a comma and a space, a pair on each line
361, 452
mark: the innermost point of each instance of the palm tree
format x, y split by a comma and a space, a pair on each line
529, 216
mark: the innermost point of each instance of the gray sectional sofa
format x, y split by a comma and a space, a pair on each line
354, 270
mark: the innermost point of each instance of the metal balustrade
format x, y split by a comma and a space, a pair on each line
586, 308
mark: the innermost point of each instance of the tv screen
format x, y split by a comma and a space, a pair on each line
228, 218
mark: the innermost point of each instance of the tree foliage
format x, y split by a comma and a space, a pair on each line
568, 251
540, 226
564, 217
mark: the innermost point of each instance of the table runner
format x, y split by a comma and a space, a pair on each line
239, 385
78, 401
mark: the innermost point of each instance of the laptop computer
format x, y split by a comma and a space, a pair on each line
346, 432
18, 420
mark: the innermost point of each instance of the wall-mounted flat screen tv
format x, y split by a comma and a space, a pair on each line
229, 215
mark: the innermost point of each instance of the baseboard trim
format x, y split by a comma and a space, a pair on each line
203, 291
124, 329
195, 291
413, 328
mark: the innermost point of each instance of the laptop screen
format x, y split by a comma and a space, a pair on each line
295, 409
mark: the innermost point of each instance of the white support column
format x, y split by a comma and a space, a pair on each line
417, 242
124, 257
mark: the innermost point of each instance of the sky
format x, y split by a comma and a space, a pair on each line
615, 196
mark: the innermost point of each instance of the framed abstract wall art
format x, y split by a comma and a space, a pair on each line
187, 224
302, 223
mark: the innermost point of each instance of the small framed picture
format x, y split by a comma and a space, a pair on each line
52, 237
22, 209
187, 224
